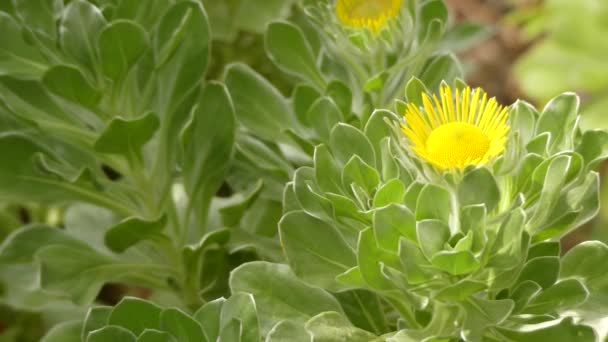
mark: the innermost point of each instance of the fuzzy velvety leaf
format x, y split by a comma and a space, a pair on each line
97, 318
316, 251
288, 331
120, 45
207, 143
391, 223
288, 48
242, 308
481, 313
181, 326
131, 231
433, 204
135, 315
587, 261
558, 118
111, 333
331, 326
258, 105
562, 330
18, 58
208, 316
70, 83
127, 136
79, 29
346, 141
479, 187
181, 53
323, 115
279, 294
64, 332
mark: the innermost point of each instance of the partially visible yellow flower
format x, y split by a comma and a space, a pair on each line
371, 14
452, 132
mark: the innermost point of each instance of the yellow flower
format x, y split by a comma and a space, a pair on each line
371, 14
455, 131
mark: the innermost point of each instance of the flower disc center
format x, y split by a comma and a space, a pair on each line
370, 9
456, 144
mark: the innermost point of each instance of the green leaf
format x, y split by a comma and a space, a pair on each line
327, 173
120, 45
69, 83
316, 251
242, 307
524, 293
181, 326
303, 97
562, 330
455, 263
522, 118
111, 333
433, 203
288, 48
364, 309
465, 35
414, 90
208, 316
323, 115
17, 57
22, 245
442, 68
207, 143
258, 105
415, 264
78, 272
346, 141
460, 291
565, 294
79, 29
127, 136
391, 223
543, 271
377, 128
376, 82
469, 189
97, 318
288, 331
541, 249
432, 236
357, 172
587, 262
342, 96
279, 295
135, 315
473, 219
253, 16
559, 118
235, 207
131, 231
369, 258
39, 16
430, 11
152, 335
593, 147
309, 195
332, 326
507, 250
553, 183
68, 331
481, 313
390, 192
181, 53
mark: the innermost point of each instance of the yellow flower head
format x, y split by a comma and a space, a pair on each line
371, 14
455, 131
